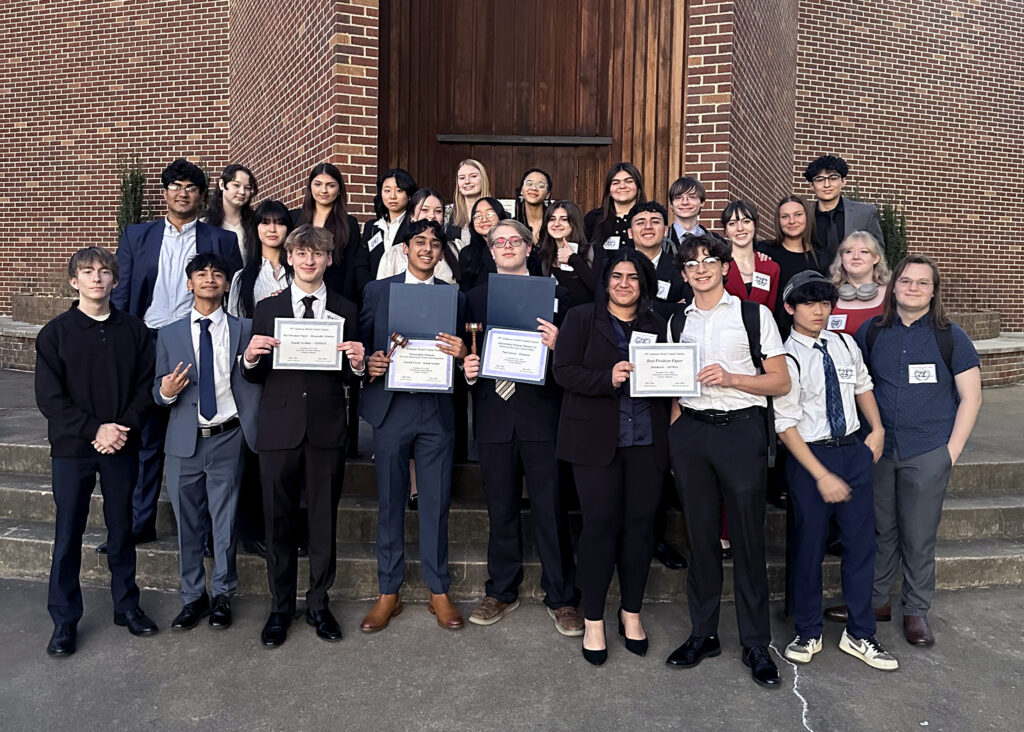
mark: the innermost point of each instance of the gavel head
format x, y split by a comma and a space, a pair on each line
399, 340
474, 327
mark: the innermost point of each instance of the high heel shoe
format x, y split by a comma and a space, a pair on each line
597, 658
639, 647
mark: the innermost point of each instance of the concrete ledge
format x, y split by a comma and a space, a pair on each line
18, 344
978, 325
1002, 359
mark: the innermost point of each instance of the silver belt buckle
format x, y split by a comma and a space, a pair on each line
205, 431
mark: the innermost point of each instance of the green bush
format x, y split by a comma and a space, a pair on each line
130, 209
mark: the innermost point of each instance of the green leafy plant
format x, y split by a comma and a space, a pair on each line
130, 208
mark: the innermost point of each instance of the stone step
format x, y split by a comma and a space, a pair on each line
26, 547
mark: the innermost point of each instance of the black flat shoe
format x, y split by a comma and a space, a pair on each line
669, 556
324, 622
136, 621
208, 546
102, 548
220, 614
762, 668
639, 647
275, 632
695, 650
63, 642
192, 613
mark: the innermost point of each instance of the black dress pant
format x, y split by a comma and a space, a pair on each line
618, 502
251, 525
499, 463
283, 474
718, 465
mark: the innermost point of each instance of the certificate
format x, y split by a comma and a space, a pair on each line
514, 355
664, 370
420, 366
308, 345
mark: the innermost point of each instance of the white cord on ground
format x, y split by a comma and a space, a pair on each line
796, 691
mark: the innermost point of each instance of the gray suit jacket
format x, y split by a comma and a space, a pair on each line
858, 216
174, 345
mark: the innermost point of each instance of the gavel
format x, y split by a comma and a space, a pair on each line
397, 341
473, 329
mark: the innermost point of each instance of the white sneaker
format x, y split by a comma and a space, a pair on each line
869, 651
802, 650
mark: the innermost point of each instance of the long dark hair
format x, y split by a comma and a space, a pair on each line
547, 249
403, 179
478, 254
520, 214
644, 270
808, 236
936, 310
337, 219
215, 206
607, 204
269, 210
451, 257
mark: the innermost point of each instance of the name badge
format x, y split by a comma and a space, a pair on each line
556, 304
762, 281
612, 242
640, 338
836, 322
846, 374
663, 288
922, 373
328, 315
376, 241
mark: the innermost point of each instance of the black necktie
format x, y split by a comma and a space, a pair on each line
308, 301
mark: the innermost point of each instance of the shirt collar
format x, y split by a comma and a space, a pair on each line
169, 227
681, 232
86, 321
410, 279
298, 293
216, 317
806, 341
727, 300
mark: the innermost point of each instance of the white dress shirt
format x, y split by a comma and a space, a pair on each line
171, 298
723, 340
411, 279
395, 261
223, 360
804, 406
268, 281
697, 230
319, 305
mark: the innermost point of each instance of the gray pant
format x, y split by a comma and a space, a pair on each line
908, 508
209, 480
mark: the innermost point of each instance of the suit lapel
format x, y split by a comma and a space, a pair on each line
234, 333
603, 324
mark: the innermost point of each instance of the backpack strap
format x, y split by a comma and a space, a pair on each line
944, 337
676, 323
751, 314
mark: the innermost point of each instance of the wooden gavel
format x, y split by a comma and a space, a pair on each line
397, 341
473, 329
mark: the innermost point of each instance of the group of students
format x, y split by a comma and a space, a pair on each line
149, 363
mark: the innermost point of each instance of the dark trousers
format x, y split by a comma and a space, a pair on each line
618, 503
73, 483
499, 463
718, 465
150, 467
283, 474
251, 524
809, 533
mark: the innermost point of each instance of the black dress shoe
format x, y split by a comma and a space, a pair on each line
727, 552
303, 549
414, 502
192, 613
762, 668
695, 650
257, 547
669, 555
102, 548
208, 546
137, 621
220, 614
639, 647
275, 632
596, 657
63, 640
144, 537
324, 622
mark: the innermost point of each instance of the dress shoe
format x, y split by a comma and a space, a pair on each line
137, 621
275, 632
192, 613
220, 614
63, 640
257, 547
303, 549
639, 647
325, 623
448, 616
414, 502
695, 650
841, 614
763, 670
596, 656
727, 552
102, 548
917, 631
669, 555
208, 546
386, 607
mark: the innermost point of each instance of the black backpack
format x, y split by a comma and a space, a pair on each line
943, 336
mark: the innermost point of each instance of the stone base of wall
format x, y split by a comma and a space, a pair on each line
38, 309
1002, 359
17, 345
978, 325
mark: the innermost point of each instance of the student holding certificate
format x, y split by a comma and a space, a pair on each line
616, 443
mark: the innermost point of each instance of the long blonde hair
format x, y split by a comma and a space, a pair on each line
880, 274
460, 208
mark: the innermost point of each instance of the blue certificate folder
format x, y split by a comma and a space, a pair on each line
514, 302
423, 311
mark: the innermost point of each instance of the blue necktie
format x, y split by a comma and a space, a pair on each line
833, 397
207, 385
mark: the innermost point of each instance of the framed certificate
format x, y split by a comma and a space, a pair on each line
514, 355
309, 345
664, 370
420, 366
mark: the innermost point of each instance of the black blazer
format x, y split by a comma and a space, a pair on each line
297, 404
532, 411
588, 428
341, 275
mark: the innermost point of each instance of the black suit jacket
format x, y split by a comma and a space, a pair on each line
588, 428
297, 404
531, 413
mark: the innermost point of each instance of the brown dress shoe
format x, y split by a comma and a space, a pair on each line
448, 616
841, 614
386, 607
916, 630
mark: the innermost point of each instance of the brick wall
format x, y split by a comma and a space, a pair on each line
925, 103
84, 83
304, 91
999, 369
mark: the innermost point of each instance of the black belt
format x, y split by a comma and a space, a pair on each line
836, 441
714, 417
218, 428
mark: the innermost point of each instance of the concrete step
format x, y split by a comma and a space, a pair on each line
26, 547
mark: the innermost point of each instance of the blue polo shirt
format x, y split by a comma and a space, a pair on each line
917, 417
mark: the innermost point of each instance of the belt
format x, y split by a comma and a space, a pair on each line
218, 428
711, 416
836, 441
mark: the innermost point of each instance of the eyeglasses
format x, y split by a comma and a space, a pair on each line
907, 282
489, 216
189, 189
536, 185
514, 241
688, 197
834, 178
707, 262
